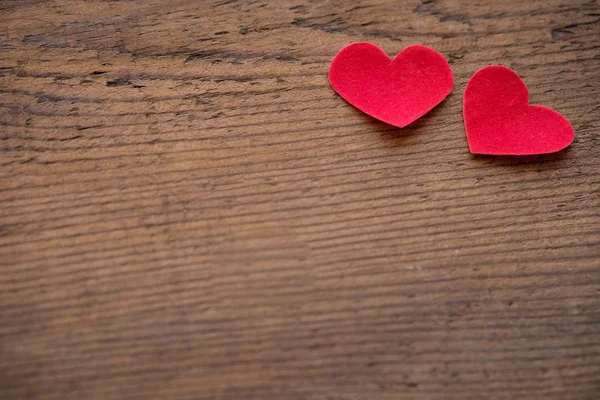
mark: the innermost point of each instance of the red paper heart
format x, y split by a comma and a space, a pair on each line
397, 91
500, 121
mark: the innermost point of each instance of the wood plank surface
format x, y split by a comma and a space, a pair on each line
188, 210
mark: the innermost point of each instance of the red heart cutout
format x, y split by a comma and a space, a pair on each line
397, 91
500, 121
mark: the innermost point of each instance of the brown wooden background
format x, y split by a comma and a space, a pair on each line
188, 211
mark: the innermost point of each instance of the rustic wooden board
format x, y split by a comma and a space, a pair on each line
188, 211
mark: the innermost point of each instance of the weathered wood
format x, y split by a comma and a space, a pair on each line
187, 210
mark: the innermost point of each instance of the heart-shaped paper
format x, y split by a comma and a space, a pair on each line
397, 91
500, 121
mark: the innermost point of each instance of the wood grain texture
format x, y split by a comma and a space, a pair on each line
188, 211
